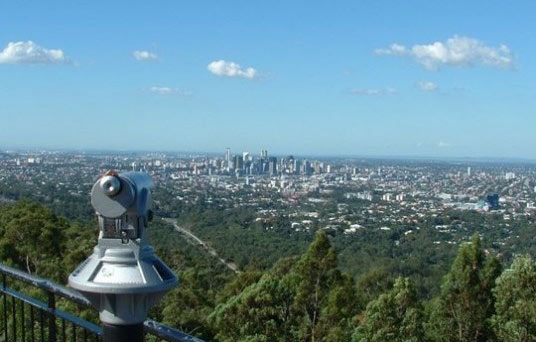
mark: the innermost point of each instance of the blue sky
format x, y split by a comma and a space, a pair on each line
379, 78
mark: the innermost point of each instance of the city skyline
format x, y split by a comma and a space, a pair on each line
258, 154
352, 79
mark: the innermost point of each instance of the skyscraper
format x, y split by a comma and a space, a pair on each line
306, 168
263, 163
239, 162
272, 166
297, 166
228, 158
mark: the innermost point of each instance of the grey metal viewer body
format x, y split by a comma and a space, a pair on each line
123, 277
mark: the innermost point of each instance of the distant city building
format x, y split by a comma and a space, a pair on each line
228, 158
306, 168
317, 167
297, 167
469, 171
493, 201
272, 166
365, 195
238, 162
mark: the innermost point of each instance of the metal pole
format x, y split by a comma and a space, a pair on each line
122, 333
51, 318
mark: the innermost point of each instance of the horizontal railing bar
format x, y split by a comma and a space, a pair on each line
167, 333
25, 298
45, 285
95, 329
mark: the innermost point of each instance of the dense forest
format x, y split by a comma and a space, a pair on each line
302, 289
424, 255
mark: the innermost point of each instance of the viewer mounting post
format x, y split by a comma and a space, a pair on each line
123, 278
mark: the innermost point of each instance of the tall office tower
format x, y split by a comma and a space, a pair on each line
317, 167
263, 166
239, 162
297, 166
290, 164
253, 168
228, 157
469, 171
247, 160
281, 165
263, 163
272, 166
306, 168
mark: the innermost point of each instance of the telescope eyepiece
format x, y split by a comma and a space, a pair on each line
110, 185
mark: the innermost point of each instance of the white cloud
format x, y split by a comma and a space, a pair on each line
231, 69
455, 51
30, 53
427, 86
161, 90
443, 144
169, 91
394, 49
386, 91
143, 55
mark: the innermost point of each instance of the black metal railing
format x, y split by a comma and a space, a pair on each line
38, 317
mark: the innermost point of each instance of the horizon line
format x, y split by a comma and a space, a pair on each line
485, 159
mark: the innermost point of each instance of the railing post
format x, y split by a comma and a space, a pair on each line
5, 305
13, 309
51, 317
122, 333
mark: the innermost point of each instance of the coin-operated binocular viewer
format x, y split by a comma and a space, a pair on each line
123, 278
